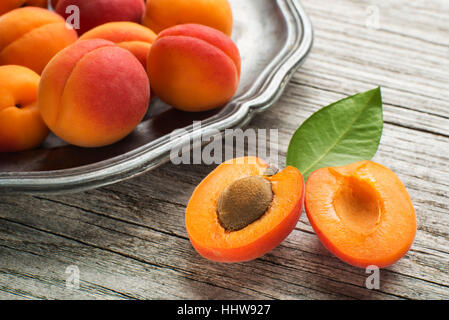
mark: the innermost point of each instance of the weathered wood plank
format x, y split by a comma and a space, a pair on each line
150, 202
255, 279
131, 241
408, 54
138, 245
43, 258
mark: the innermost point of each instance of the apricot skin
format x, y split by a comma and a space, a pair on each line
21, 125
194, 67
31, 37
127, 35
93, 93
8, 5
98, 12
163, 14
387, 228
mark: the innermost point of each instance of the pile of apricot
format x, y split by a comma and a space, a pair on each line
91, 84
361, 212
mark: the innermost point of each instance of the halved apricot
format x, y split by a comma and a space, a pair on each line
233, 216
361, 212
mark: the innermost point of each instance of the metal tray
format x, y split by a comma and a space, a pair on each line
274, 38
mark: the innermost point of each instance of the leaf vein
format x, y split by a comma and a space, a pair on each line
339, 139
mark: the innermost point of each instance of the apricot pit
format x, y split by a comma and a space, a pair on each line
243, 202
21, 125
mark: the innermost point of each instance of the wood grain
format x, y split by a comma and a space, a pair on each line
129, 239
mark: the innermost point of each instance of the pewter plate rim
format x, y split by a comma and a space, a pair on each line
262, 95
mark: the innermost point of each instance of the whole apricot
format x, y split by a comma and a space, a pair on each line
163, 14
193, 67
127, 35
93, 93
31, 37
21, 125
97, 12
8, 5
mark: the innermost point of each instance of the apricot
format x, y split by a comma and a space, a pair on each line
31, 36
194, 67
97, 12
21, 125
8, 5
162, 14
128, 35
93, 93
238, 213
361, 212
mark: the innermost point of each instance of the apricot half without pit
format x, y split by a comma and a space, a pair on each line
361, 212
237, 213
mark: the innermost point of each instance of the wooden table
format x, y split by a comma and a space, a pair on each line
129, 241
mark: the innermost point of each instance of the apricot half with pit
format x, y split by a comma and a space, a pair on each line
238, 213
361, 212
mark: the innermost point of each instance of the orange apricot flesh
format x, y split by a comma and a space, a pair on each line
361, 212
213, 242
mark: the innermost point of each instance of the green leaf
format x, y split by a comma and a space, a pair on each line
344, 132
